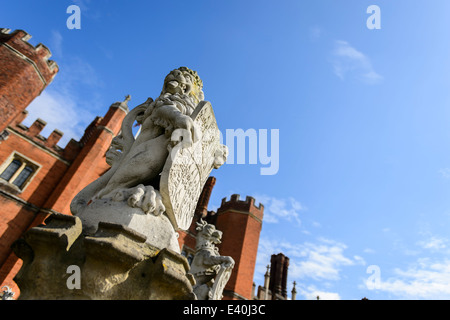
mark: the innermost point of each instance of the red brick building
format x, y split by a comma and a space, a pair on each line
37, 177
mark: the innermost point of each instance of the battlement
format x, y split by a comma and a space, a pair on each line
34, 132
110, 122
39, 55
247, 205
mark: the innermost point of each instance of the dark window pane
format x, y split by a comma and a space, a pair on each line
11, 169
190, 258
23, 176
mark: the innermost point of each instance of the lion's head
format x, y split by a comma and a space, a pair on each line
207, 235
184, 81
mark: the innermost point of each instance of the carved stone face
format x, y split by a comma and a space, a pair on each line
183, 81
216, 236
212, 234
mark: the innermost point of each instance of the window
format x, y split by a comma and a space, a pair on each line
11, 169
188, 254
18, 171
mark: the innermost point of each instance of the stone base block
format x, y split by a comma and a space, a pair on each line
61, 262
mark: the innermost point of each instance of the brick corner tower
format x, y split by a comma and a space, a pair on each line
241, 223
25, 72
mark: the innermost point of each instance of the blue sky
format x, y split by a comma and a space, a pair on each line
363, 119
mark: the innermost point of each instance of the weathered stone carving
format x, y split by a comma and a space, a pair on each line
210, 270
123, 236
115, 264
156, 179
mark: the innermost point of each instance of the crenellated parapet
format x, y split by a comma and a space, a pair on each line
33, 133
247, 205
25, 71
73, 147
17, 42
50, 143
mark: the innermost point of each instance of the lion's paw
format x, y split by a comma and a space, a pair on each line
144, 197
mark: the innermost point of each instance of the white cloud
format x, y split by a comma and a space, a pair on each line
322, 260
277, 209
425, 279
60, 112
434, 243
348, 61
311, 293
445, 173
68, 102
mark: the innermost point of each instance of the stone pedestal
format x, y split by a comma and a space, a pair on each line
157, 230
61, 262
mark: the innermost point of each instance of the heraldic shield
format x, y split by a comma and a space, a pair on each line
220, 282
188, 166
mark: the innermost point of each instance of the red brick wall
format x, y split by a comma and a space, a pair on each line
48, 175
54, 185
24, 72
15, 218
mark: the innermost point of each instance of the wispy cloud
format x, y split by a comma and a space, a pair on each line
60, 112
278, 209
321, 261
69, 102
349, 62
445, 173
56, 43
313, 293
424, 279
433, 242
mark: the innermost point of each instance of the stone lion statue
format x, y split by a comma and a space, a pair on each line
174, 119
136, 165
207, 262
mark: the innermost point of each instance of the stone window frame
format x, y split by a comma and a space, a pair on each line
24, 163
188, 253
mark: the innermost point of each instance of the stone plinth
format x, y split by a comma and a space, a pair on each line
114, 263
158, 230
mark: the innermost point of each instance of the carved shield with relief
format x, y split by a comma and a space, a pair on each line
188, 167
220, 282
